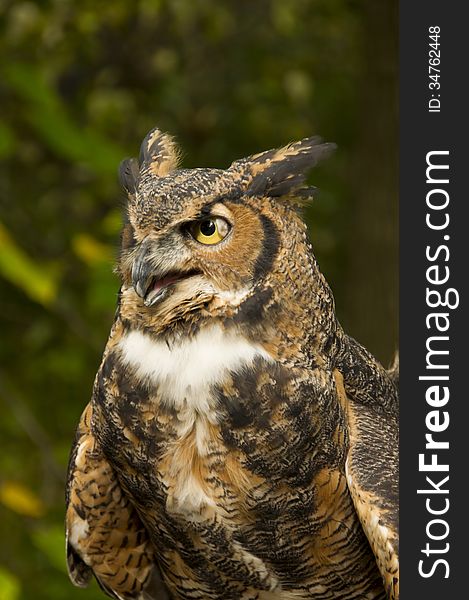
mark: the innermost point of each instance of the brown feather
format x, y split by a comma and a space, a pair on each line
104, 533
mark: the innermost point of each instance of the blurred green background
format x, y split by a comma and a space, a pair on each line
80, 85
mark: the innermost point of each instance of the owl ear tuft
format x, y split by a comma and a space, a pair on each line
283, 171
129, 173
159, 153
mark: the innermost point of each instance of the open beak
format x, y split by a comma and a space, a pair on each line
152, 283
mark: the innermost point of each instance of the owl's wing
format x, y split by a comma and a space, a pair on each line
372, 471
105, 536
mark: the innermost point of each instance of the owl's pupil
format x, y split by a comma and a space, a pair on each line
207, 228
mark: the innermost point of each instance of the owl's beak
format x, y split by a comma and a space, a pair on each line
145, 282
142, 272
153, 284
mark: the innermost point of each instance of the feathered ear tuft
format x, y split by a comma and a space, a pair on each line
129, 173
283, 171
159, 153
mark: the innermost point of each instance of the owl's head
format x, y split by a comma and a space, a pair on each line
199, 242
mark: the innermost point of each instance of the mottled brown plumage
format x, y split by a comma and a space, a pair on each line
104, 534
239, 445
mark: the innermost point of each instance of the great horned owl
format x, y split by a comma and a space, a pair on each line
238, 445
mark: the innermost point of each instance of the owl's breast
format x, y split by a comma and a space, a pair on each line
168, 404
183, 373
227, 453
215, 422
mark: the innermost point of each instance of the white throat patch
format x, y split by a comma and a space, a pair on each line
185, 371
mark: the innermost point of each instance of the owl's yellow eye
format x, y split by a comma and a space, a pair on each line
210, 231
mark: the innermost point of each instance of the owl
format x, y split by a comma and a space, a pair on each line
239, 445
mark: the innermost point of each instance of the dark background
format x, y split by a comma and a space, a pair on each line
80, 85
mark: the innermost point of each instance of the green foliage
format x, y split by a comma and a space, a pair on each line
80, 85
9, 585
23, 272
47, 115
50, 540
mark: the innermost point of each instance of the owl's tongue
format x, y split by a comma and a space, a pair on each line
165, 281
157, 290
